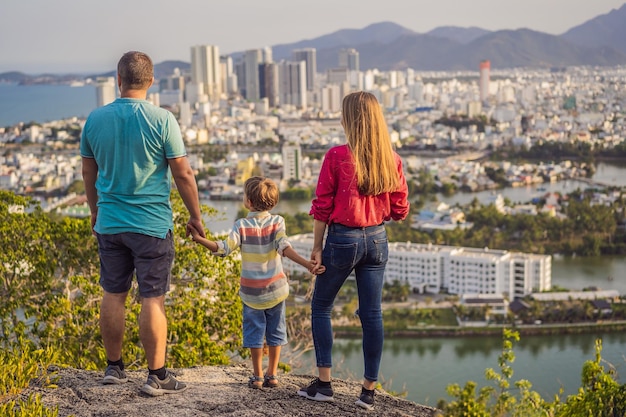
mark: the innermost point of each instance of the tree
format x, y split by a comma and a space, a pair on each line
49, 287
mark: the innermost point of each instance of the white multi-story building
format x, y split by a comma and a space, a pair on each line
206, 70
105, 91
292, 162
456, 270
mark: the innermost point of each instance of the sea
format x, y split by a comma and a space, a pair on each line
44, 103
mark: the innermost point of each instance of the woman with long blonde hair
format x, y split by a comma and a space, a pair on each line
361, 185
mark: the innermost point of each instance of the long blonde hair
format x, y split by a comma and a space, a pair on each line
368, 139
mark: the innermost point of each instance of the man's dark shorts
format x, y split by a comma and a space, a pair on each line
151, 258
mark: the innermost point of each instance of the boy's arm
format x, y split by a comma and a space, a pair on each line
209, 244
290, 253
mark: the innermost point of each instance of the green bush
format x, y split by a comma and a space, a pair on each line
49, 273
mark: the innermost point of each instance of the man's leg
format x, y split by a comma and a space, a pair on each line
153, 330
112, 323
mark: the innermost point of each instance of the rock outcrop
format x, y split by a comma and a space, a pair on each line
212, 391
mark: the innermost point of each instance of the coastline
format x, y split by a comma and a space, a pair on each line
493, 330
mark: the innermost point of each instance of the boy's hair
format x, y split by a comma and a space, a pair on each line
135, 70
262, 193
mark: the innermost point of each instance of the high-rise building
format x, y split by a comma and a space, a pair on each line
292, 162
309, 56
483, 85
331, 98
205, 70
292, 83
251, 60
349, 58
105, 91
268, 76
226, 73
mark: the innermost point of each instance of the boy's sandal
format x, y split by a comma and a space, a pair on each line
255, 382
270, 381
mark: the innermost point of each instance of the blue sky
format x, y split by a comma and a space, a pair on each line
86, 35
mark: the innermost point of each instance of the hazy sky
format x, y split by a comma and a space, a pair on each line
88, 35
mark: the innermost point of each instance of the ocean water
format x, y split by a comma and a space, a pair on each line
43, 103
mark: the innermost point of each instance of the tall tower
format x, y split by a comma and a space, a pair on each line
292, 83
268, 77
205, 70
483, 85
105, 91
251, 60
309, 56
349, 58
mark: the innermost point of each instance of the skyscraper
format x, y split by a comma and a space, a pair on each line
251, 60
309, 56
205, 70
349, 58
268, 77
483, 85
292, 83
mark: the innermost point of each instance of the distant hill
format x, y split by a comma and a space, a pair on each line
161, 70
383, 33
505, 49
458, 34
605, 30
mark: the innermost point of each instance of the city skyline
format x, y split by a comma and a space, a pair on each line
63, 36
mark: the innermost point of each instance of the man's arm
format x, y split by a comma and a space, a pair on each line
90, 175
188, 190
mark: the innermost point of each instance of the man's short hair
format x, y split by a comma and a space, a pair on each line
135, 70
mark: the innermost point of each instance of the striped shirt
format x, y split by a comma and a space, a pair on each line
262, 239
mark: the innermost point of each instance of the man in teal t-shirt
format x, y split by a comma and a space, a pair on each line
131, 150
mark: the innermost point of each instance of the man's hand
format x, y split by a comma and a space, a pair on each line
195, 225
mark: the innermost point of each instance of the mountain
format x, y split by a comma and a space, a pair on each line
161, 70
605, 30
458, 34
383, 33
505, 49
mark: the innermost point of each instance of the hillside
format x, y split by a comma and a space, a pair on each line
213, 391
605, 30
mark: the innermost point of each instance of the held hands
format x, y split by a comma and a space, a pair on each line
316, 263
195, 234
315, 268
195, 226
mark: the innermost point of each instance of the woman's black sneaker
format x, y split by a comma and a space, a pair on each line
366, 399
317, 391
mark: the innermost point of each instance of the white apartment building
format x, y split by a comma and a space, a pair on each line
206, 70
455, 270
292, 162
105, 91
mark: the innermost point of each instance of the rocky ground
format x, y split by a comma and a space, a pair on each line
212, 391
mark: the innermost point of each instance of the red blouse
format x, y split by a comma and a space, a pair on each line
338, 199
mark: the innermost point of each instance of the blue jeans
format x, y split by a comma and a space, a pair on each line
364, 251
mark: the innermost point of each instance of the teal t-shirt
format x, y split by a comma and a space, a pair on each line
131, 140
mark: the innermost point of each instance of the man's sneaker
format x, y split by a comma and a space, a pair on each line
316, 392
155, 386
366, 399
114, 375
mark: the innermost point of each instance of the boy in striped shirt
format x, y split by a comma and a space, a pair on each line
263, 285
